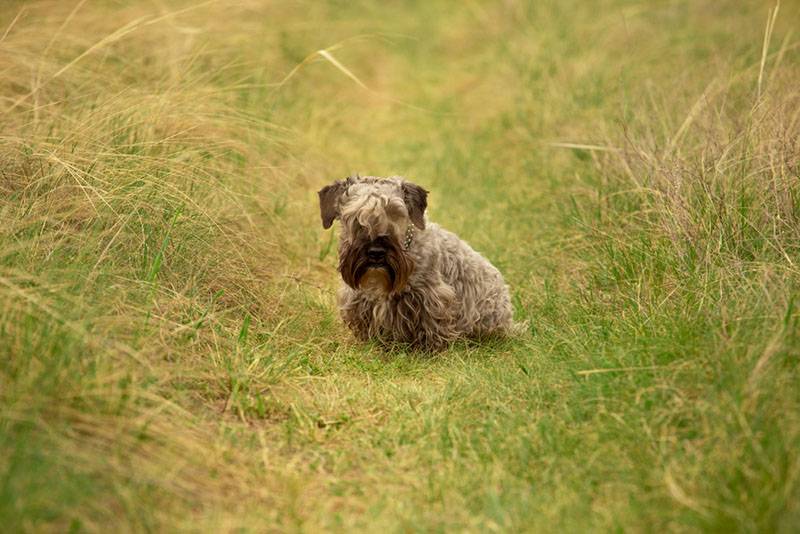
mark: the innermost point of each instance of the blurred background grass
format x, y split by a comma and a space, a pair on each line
170, 353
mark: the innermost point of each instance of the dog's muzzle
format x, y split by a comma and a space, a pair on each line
377, 265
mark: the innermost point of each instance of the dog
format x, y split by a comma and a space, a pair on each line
407, 280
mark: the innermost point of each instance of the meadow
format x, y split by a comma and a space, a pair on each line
171, 356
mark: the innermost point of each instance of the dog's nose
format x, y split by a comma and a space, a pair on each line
376, 253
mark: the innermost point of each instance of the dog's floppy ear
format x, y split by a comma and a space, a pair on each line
329, 202
416, 199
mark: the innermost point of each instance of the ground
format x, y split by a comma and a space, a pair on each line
170, 352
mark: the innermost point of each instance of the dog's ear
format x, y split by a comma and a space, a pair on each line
329, 202
416, 199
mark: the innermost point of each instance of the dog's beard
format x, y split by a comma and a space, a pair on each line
388, 276
376, 280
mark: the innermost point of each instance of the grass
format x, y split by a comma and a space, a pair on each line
170, 352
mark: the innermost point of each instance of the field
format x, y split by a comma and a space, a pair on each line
171, 356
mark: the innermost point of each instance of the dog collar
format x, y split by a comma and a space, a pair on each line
409, 236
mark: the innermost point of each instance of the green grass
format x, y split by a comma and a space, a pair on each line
171, 357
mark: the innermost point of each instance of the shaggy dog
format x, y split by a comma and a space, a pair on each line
407, 280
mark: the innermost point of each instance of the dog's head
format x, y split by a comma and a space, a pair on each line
378, 217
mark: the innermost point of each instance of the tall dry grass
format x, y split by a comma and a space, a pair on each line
130, 242
691, 240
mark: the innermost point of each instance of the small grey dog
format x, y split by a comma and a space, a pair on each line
407, 280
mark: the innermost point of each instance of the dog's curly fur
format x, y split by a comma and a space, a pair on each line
428, 295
